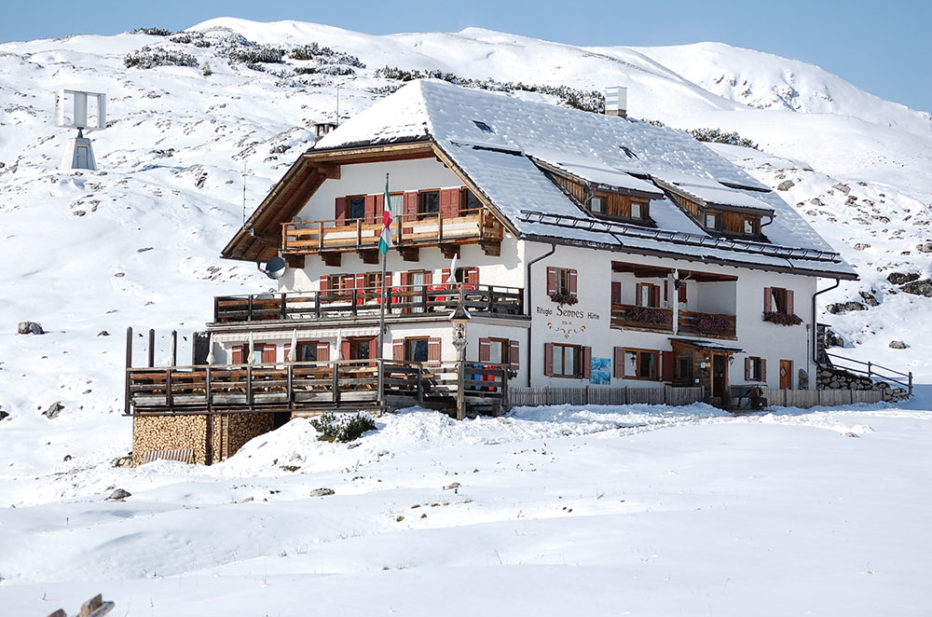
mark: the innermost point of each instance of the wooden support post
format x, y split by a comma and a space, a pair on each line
174, 361
284, 307
439, 229
249, 385
380, 364
317, 297
216, 308
129, 365
168, 388
290, 386
358, 233
249, 309
335, 386
209, 432
320, 236
420, 384
151, 347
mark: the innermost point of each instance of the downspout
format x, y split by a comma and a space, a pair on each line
553, 249
815, 350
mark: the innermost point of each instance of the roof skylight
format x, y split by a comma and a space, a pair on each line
485, 128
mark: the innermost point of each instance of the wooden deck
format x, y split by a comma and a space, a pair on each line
346, 385
411, 300
713, 325
408, 232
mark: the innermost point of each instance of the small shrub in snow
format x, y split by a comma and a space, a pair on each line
332, 428
258, 54
721, 137
152, 31
147, 58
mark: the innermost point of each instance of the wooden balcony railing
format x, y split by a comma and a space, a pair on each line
305, 385
715, 325
411, 231
401, 300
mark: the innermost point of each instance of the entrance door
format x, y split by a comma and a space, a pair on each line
786, 374
720, 375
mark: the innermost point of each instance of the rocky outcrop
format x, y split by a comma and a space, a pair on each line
29, 327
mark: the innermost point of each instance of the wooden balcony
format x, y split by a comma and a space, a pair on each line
308, 386
409, 300
331, 238
713, 325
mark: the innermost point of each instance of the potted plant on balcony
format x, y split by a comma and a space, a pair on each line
781, 318
564, 298
645, 315
714, 324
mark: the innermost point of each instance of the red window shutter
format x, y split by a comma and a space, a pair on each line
398, 349
472, 276
572, 277
428, 278
286, 349
345, 350
747, 369
551, 280
619, 368
323, 351
268, 353
639, 294
455, 201
324, 282
404, 278
654, 295
445, 275
449, 202
237, 354
768, 295
370, 214
666, 358
763, 369
485, 349
548, 359
410, 205
340, 211
682, 293
514, 355
388, 282
587, 362
433, 350
616, 292
379, 205
789, 301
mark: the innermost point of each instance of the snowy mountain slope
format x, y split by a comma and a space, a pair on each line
137, 243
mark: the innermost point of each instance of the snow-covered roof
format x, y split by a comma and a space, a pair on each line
495, 140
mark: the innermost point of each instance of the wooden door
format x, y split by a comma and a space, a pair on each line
720, 375
786, 374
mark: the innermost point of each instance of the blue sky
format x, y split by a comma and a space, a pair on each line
882, 47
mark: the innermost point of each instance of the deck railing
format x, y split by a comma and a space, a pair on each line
401, 300
427, 229
715, 325
873, 371
305, 385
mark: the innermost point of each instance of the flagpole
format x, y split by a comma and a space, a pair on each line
380, 343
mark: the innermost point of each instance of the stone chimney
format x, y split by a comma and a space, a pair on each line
322, 128
616, 101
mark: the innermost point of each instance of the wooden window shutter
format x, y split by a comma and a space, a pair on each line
548, 359
433, 350
340, 211
268, 353
472, 276
667, 363
639, 294
514, 355
445, 275
345, 351
768, 300
323, 351
666, 291
324, 282
237, 354
654, 295
587, 362
572, 279
682, 292
763, 370
388, 280
485, 349
449, 202
360, 281
551, 280
410, 205
747, 369
404, 278
428, 277
398, 349
619, 361
370, 209
616, 292
379, 206
789, 301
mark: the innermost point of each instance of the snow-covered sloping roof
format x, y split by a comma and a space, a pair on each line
495, 139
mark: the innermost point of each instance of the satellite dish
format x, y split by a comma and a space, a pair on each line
274, 268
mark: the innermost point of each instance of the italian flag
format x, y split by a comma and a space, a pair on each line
385, 240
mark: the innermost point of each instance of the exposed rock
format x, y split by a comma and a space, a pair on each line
833, 339
103, 333
869, 298
119, 495
925, 247
919, 288
786, 185
843, 307
860, 246
4, 414
53, 410
322, 492
897, 345
844, 188
815, 201
29, 327
898, 278
452, 487
123, 461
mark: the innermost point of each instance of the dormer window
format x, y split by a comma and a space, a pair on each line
485, 128
626, 207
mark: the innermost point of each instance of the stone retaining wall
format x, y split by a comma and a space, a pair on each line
840, 379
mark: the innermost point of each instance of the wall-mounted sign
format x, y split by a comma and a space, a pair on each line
601, 371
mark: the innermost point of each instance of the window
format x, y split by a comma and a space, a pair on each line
595, 204
306, 352
361, 349
566, 360
561, 282
356, 207
641, 364
635, 210
647, 294
469, 202
684, 370
339, 286
428, 202
751, 226
712, 221
778, 300
755, 369
416, 349
396, 205
621, 206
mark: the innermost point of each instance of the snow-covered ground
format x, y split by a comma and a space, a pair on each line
642, 511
